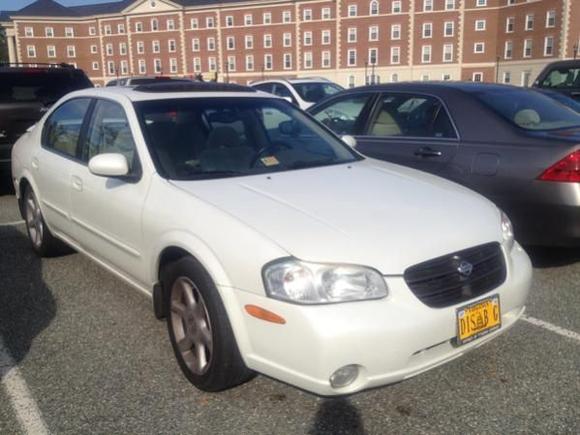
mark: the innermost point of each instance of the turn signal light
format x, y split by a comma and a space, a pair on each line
566, 170
264, 314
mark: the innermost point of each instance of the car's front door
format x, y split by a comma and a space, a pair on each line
107, 211
410, 129
346, 114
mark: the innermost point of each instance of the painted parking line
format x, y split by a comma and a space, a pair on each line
12, 224
552, 328
21, 399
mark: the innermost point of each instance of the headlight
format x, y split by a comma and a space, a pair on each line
311, 283
507, 231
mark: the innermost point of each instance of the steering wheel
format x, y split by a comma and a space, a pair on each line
271, 148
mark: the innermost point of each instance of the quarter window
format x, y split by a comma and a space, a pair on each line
63, 127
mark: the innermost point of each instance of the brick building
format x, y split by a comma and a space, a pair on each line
348, 41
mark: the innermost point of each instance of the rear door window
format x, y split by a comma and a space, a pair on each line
63, 127
344, 114
411, 116
564, 78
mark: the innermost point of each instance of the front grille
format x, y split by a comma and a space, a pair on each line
439, 283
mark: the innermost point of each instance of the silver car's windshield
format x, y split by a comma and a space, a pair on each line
201, 138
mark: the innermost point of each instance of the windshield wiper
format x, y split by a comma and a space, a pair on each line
215, 174
311, 164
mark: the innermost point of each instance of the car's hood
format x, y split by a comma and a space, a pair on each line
370, 213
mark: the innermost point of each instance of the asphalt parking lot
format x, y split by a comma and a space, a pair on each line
83, 353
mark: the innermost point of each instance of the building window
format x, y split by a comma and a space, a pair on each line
427, 30
326, 59
231, 63
446, 77
481, 3
374, 7
352, 11
140, 47
287, 61
120, 28
248, 19
231, 43
142, 66
267, 62
49, 32
351, 34
267, 18
157, 66
138, 27
510, 24
156, 47
286, 16
71, 51
249, 42
351, 57
449, 5
111, 70
479, 47
395, 77
427, 5
109, 49
69, 32
173, 65
307, 38
94, 49
124, 67
307, 60
396, 7
530, 22
351, 83
250, 62
477, 77
154, 24
29, 32
210, 44
209, 22
374, 33
480, 25
287, 40
526, 77
373, 56
195, 44
395, 55
95, 66
508, 51
426, 54
194, 23
326, 14
507, 77
108, 30
528, 48
212, 64
326, 37
197, 65
551, 19
425, 77
267, 40
307, 15
170, 24
51, 51
448, 53
549, 46
123, 48
92, 30
449, 29
172, 46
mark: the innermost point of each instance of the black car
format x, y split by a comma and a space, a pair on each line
516, 146
26, 92
562, 76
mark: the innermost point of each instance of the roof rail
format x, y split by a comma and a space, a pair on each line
37, 64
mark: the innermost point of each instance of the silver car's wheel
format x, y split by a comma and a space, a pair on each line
34, 221
191, 325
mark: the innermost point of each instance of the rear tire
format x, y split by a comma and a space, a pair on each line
199, 328
42, 240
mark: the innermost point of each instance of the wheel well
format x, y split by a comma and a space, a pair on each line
168, 256
22, 186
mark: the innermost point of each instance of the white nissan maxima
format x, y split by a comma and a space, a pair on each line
268, 244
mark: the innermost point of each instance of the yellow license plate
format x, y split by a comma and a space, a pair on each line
478, 319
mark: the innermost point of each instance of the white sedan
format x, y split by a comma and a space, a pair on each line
267, 243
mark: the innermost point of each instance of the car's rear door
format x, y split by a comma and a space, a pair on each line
107, 211
410, 129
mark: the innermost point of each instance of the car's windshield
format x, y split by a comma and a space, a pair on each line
221, 137
529, 110
37, 85
562, 78
315, 91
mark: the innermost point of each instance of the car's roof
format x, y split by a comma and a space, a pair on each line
292, 81
168, 90
438, 87
564, 64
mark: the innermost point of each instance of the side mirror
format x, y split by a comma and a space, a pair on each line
109, 165
349, 140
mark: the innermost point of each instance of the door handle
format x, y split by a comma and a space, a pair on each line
77, 183
34, 163
428, 152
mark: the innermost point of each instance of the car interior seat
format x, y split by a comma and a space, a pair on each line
225, 152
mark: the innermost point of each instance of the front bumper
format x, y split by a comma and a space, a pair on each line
390, 339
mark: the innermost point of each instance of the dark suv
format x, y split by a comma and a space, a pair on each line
26, 92
563, 77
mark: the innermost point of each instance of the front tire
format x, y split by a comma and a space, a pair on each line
199, 328
42, 240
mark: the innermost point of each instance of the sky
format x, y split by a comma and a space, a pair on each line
14, 5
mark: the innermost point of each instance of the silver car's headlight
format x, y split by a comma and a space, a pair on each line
507, 231
312, 283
